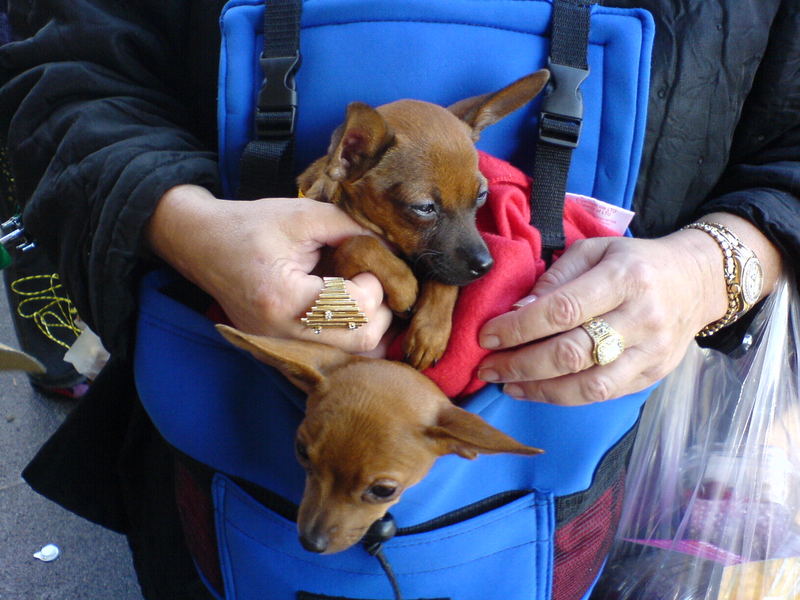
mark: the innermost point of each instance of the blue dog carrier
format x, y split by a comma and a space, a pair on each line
500, 527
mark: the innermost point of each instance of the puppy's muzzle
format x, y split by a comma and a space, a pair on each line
461, 266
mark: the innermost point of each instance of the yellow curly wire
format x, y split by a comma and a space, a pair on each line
48, 306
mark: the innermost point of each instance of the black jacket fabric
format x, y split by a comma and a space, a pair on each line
108, 104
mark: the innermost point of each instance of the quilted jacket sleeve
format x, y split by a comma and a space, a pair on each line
94, 109
762, 181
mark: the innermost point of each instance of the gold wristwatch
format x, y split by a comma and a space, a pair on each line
744, 277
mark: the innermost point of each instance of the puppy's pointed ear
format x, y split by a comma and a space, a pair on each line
464, 433
481, 111
358, 144
306, 364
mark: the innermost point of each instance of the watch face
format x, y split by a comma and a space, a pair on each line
752, 280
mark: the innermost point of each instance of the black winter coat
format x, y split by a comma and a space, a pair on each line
111, 103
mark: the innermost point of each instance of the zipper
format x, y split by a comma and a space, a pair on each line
464, 513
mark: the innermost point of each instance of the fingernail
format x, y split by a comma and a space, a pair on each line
514, 391
488, 375
490, 341
525, 301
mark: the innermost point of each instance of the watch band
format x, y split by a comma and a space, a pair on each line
741, 269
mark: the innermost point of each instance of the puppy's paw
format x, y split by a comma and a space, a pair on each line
424, 346
401, 297
364, 253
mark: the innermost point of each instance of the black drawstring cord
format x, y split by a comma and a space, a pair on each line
382, 531
387, 568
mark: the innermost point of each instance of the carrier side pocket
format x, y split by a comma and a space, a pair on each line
508, 549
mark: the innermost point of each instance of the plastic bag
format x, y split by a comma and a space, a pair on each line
712, 508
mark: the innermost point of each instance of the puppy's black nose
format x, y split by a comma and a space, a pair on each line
480, 263
314, 543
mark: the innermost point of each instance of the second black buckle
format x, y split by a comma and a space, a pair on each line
277, 98
562, 107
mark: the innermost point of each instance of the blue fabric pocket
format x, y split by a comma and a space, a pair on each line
503, 544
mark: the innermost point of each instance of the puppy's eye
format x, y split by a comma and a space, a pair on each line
381, 491
301, 450
481, 199
424, 209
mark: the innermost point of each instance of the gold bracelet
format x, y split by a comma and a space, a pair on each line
742, 272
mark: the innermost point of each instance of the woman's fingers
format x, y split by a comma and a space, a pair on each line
632, 372
562, 307
570, 352
366, 291
281, 310
256, 258
576, 260
651, 293
326, 225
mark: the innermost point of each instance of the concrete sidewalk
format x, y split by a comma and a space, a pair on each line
94, 563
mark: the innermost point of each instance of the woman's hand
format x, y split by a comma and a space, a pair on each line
656, 293
256, 257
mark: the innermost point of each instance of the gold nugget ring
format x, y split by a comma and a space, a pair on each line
607, 344
333, 308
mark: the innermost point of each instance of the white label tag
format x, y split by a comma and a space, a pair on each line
87, 354
615, 218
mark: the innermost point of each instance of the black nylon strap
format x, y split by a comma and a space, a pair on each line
267, 161
281, 27
570, 32
560, 119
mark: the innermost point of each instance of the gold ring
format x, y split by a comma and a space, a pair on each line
333, 308
607, 344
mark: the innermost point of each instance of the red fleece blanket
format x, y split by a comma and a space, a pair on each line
504, 222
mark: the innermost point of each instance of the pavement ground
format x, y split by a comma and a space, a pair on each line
94, 563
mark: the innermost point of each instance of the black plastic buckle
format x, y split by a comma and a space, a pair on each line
562, 106
277, 98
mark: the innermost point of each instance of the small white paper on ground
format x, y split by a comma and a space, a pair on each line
48, 553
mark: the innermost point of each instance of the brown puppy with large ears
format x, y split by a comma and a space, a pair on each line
372, 429
408, 171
